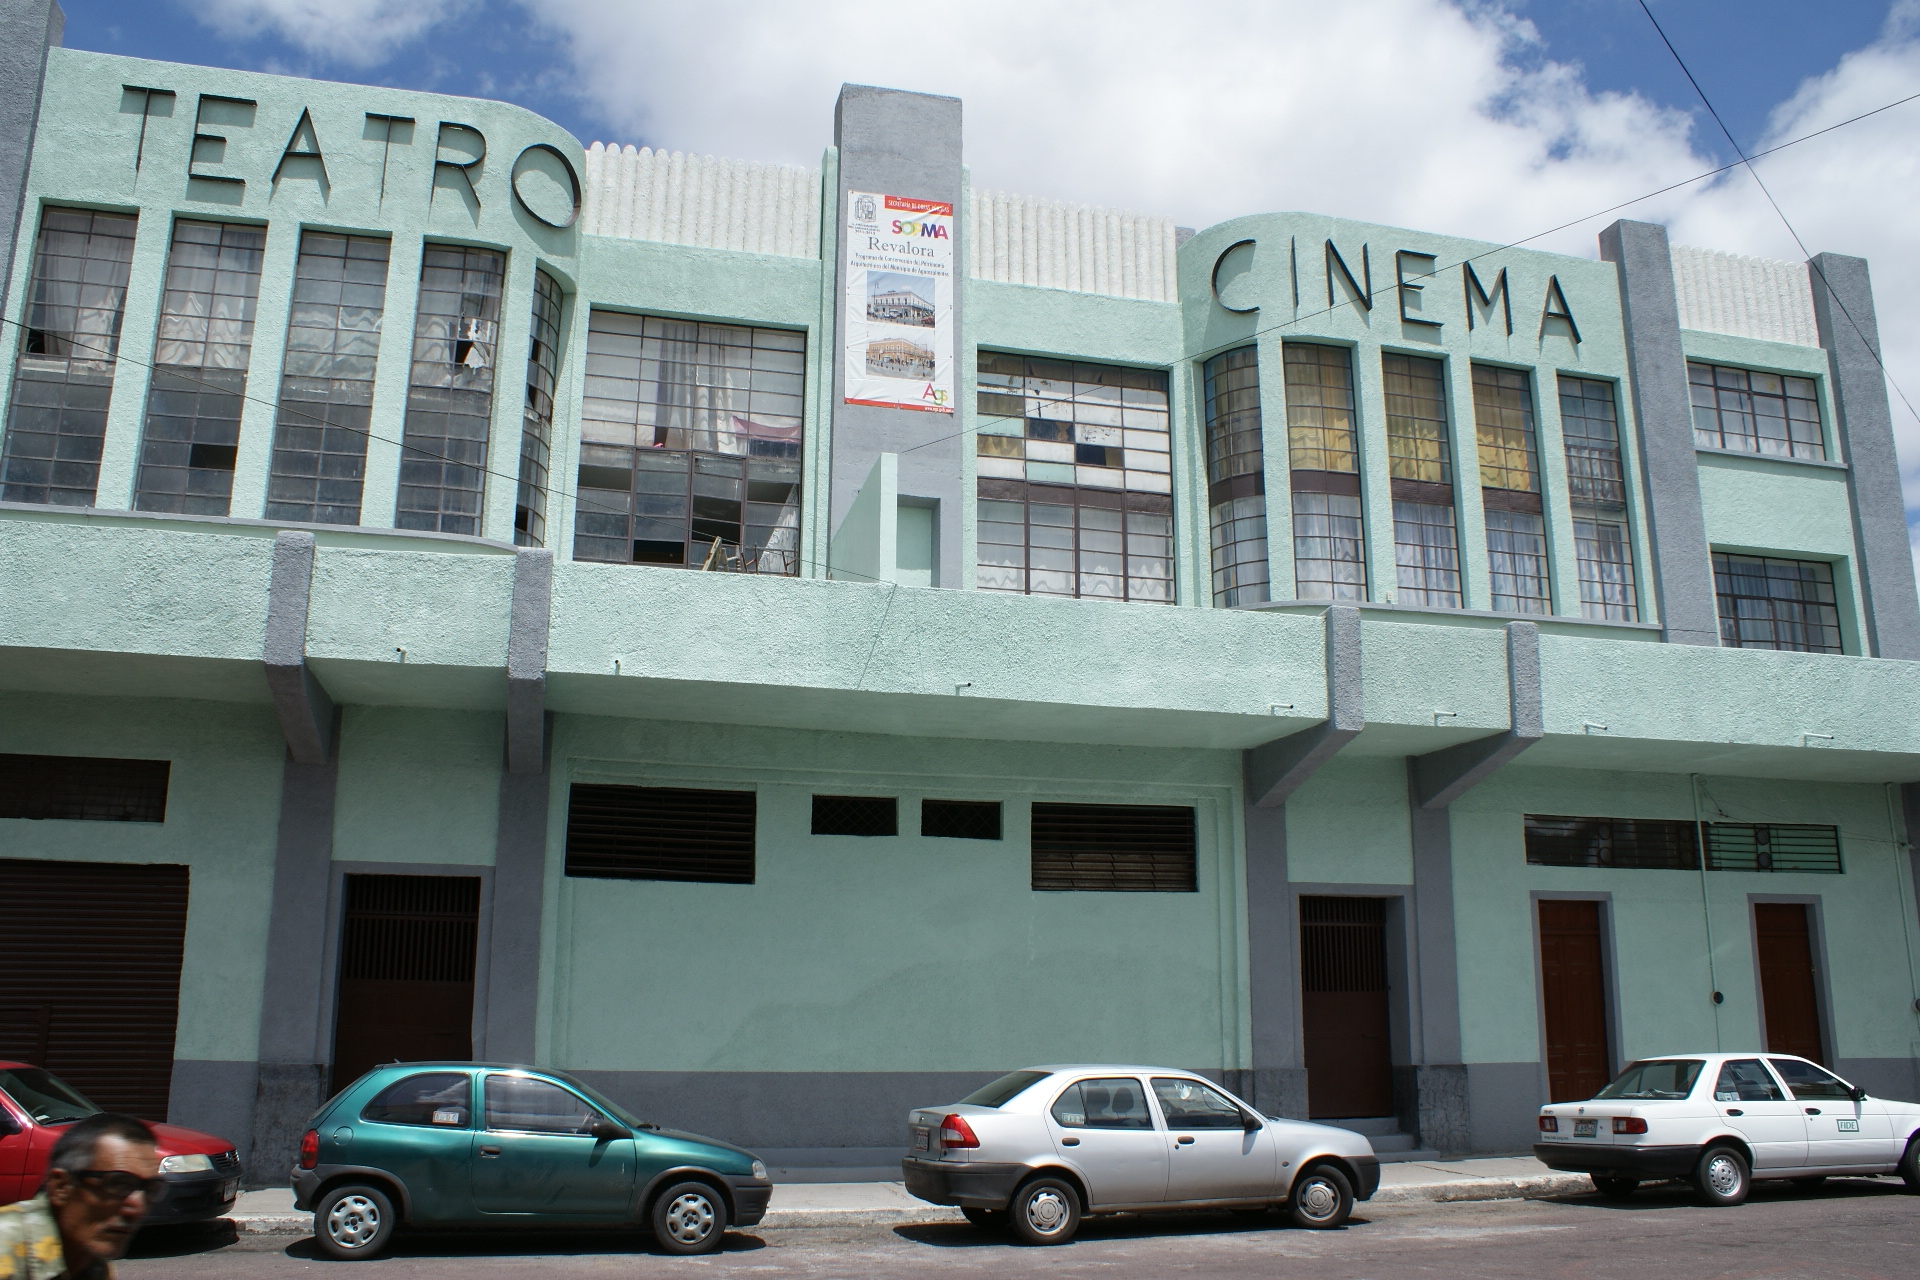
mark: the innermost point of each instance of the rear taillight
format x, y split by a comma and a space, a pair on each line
1549, 1124
956, 1132
1629, 1124
310, 1149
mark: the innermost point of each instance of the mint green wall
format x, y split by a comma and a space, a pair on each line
418, 786
1349, 824
889, 954
223, 810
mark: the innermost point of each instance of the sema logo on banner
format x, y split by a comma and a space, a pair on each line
898, 327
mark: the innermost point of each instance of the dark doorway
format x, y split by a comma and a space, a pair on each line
1787, 993
1574, 979
90, 953
406, 972
1343, 984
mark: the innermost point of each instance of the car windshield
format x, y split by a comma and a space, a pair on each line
1005, 1089
45, 1097
1666, 1078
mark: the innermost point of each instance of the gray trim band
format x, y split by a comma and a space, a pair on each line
512, 958
531, 620
299, 699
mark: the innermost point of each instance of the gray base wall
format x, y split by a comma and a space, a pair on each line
1894, 1078
1503, 1105
286, 1094
215, 1097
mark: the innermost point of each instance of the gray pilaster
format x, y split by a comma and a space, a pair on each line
1663, 414
532, 616
1275, 770
1441, 777
299, 699
1843, 309
1279, 1085
903, 144
28, 28
519, 890
1910, 819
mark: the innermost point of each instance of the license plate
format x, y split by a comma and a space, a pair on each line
920, 1140
1585, 1128
227, 1189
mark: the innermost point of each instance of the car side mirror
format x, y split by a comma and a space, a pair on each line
605, 1130
1251, 1122
1857, 1094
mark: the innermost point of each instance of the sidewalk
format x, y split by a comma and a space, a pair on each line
887, 1204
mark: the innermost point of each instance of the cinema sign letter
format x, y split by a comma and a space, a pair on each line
898, 327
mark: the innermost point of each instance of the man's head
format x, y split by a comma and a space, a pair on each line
101, 1179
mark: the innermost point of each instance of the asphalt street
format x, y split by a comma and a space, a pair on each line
1858, 1229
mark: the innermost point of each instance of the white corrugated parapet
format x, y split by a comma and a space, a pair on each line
1745, 297
676, 198
1054, 245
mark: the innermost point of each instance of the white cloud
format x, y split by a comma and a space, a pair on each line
357, 33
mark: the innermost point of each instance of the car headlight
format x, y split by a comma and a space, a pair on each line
759, 1171
187, 1164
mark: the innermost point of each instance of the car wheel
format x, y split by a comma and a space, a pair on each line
1616, 1188
689, 1217
985, 1219
1910, 1166
1721, 1177
1810, 1184
1322, 1198
1045, 1211
354, 1222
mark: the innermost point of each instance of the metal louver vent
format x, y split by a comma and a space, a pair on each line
83, 788
1121, 848
660, 833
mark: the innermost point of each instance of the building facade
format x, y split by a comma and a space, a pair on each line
462, 594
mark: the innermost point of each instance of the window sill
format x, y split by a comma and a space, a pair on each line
1423, 612
1772, 457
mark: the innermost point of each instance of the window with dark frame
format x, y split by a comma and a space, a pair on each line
1597, 489
536, 426
960, 819
449, 420
1114, 848
1767, 602
1773, 846
1323, 457
856, 816
618, 832
1510, 489
83, 788
1749, 411
1647, 843
1426, 534
1236, 478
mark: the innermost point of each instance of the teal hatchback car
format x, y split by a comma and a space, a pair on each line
448, 1145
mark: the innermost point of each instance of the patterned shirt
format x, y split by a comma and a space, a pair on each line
30, 1245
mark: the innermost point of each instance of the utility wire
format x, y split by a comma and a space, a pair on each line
1784, 220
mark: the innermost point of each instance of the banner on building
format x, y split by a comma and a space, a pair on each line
898, 329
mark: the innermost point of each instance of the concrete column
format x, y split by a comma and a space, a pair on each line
1843, 309
1663, 415
28, 28
903, 144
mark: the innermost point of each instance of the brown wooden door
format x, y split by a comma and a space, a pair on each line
1573, 976
1343, 981
1787, 992
90, 975
406, 972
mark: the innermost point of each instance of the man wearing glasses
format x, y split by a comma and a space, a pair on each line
102, 1177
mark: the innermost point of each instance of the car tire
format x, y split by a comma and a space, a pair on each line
689, 1218
1910, 1166
1045, 1211
1810, 1184
1722, 1178
1322, 1198
1615, 1188
986, 1219
354, 1222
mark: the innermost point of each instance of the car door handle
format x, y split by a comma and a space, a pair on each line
485, 1152
1185, 1141
1813, 1111
1735, 1111
1069, 1142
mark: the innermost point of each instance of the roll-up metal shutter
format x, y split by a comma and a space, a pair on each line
91, 957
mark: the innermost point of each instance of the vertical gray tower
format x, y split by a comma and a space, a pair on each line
28, 28
901, 144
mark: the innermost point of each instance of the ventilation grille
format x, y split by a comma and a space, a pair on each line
1648, 843
1123, 848
83, 788
856, 816
1343, 944
1742, 846
660, 833
960, 819
410, 928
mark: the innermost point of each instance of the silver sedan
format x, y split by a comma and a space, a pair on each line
1037, 1149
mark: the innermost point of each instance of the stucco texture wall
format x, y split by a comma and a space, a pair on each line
418, 786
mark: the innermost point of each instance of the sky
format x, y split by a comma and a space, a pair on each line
1494, 119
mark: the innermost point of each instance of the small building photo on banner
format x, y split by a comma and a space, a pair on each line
899, 317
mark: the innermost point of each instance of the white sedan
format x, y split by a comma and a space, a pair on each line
1722, 1120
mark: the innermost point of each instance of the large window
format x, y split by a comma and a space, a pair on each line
1770, 603
200, 361
660, 833
1329, 543
1122, 848
690, 445
536, 431
1755, 412
1510, 490
1236, 481
1597, 486
63, 377
456, 342
1075, 481
1426, 540
326, 382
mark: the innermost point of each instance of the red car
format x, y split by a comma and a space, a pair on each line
203, 1171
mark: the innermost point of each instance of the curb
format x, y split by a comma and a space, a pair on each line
1535, 1188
